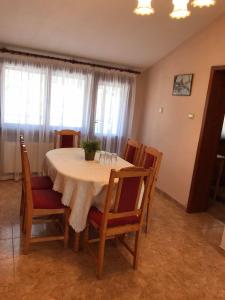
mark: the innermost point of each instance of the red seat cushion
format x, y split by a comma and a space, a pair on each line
41, 183
97, 216
46, 199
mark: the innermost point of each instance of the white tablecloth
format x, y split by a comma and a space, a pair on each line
82, 183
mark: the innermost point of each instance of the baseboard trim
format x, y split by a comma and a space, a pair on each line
171, 199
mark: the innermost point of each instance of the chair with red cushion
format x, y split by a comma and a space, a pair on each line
126, 215
151, 158
37, 182
132, 152
66, 139
39, 203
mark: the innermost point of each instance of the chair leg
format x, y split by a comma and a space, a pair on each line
136, 249
148, 216
22, 211
76, 241
22, 203
101, 252
23, 221
28, 234
86, 237
66, 228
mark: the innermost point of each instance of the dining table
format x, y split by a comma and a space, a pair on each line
82, 183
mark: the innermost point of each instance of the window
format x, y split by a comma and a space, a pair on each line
43, 98
36, 99
23, 95
67, 96
110, 108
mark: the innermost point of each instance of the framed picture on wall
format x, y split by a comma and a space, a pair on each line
182, 84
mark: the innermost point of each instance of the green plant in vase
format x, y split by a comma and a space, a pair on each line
90, 148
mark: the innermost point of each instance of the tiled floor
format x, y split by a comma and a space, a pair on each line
217, 210
180, 259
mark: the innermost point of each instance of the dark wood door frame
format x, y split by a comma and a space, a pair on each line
208, 142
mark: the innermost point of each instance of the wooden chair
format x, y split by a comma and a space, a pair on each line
39, 203
66, 139
127, 213
37, 182
151, 158
132, 151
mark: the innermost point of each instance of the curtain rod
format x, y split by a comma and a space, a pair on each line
71, 61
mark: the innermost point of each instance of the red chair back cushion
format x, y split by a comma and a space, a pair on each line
66, 141
149, 161
129, 193
131, 154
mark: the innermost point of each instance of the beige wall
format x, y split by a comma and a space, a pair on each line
172, 132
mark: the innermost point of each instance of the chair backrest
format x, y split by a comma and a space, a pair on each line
132, 151
26, 177
66, 139
130, 199
151, 158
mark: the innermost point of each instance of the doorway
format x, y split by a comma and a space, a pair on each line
217, 194
208, 143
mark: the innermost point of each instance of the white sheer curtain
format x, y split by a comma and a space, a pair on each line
36, 99
113, 106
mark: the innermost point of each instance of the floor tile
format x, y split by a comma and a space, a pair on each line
5, 230
7, 272
6, 249
180, 259
9, 293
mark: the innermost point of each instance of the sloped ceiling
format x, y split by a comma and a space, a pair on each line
101, 30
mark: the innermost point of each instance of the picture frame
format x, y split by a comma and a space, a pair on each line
182, 85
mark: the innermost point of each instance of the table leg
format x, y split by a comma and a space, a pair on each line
76, 243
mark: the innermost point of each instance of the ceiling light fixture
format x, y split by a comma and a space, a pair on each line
144, 8
180, 10
203, 3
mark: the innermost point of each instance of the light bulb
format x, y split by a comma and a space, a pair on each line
144, 8
180, 10
203, 3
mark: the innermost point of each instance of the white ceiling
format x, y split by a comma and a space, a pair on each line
101, 30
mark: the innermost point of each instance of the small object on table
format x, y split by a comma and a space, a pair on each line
114, 158
90, 148
108, 158
102, 157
